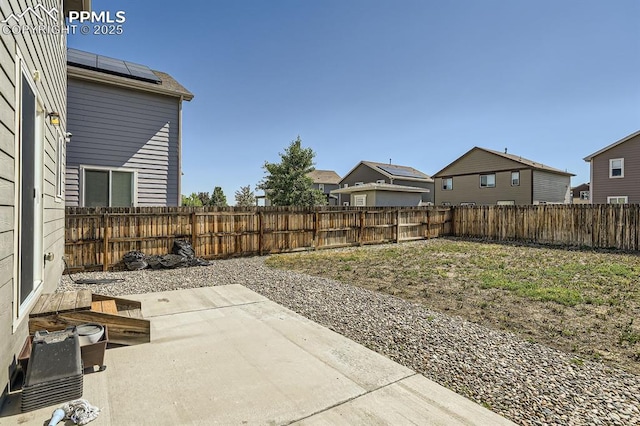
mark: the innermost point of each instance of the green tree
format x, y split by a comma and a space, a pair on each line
191, 201
218, 199
245, 197
287, 183
205, 198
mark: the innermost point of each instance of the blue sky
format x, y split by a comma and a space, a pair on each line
419, 82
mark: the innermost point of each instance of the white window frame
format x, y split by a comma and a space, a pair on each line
84, 168
584, 195
360, 198
345, 203
506, 203
381, 181
621, 160
610, 200
487, 176
468, 203
346, 185
321, 187
446, 187
517, 180
21, 310
359, 183
445, 203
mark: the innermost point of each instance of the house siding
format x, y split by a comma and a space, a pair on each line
46, 54
602, 186
479, 161
466, 189
366, 174
395, 199
551, 188
117, 127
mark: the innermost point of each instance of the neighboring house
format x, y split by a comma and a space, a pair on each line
382, 173
580, 194
126, 122
615, 172
485, 177
381, 195
325, 181
32, 150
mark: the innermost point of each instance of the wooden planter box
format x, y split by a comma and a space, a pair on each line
92, 355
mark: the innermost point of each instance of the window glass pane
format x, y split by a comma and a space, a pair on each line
121, 195
488, 181
96, 188
515, 178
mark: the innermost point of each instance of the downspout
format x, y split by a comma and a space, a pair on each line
179, 200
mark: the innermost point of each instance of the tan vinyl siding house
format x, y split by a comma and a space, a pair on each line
615, 172
486, 177
382, 195
383, 173
33, 86
125, 129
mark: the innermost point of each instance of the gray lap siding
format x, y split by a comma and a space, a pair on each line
124, 128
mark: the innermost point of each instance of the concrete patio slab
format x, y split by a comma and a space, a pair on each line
226, 355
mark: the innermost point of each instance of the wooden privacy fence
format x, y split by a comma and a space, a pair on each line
598, 226
96, 239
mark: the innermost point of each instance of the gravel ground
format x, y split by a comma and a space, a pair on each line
526, 382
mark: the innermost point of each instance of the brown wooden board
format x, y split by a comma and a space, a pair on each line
123, 330
62, 302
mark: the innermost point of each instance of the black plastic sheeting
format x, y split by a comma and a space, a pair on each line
182, 256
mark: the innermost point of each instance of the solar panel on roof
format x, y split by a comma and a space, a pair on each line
85, 59
397, 171
141, 71
111, 65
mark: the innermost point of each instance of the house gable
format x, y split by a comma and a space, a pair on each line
127, 127
603, 185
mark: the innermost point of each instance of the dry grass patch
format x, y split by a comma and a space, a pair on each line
585, 302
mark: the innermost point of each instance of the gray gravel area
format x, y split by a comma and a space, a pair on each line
526, 382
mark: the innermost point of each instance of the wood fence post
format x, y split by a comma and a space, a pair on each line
105, 232
397, 225
316, 229
428, 211
261, 233
194, 231
361, 233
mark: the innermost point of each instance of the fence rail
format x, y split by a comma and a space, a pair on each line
614, 226
96, 239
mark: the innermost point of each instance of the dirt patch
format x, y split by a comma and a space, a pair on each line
579, 301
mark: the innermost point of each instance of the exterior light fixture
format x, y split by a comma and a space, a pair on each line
54, 118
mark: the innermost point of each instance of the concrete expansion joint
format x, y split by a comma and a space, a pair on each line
348, 400
213, 308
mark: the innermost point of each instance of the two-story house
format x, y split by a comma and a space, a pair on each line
385, 185
485, 177
326, 181
126, 122
33, 138
615, 172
